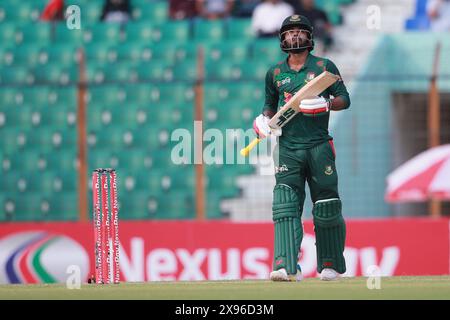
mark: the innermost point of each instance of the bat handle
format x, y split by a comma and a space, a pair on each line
247, 149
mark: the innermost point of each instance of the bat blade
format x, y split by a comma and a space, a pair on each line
291, 108
309, 90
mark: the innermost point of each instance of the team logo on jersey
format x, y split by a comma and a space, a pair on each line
283, 82
328, 170
282, 168
310, 76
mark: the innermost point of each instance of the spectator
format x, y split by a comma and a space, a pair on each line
319, 20
439, 13
245, 8
268, 17
214, 9
53, 11
182, 9
116, 11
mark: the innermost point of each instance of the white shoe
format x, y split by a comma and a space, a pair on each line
281, 275
328, 274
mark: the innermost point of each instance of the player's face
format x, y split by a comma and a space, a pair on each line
296, 37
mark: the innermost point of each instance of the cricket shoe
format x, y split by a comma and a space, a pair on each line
328, 274
281, 275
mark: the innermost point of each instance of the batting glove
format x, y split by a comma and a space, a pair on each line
262, 129
315, 107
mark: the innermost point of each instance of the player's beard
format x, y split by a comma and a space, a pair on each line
296, 44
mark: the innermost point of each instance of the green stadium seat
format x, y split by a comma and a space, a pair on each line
215, 92
65, 36
121, 72
141, 93
38, 33
137, 205
153, 11
92, 12
18, 13
254, 70
7, 33
6, 56
101, 116
139, 32
223, 70
60, 161
109, 94
100, 158
51, 139
230, 113
173, 115
152, 139
187, 52
132, 116
176, 205
13, 140
165, 52
209, 30
36, 96
24, 161
59, 117
65, 181
16, 76
114, 138
172, 32
244, 91
63, 206
104, 33
10, 96
16, 209
175, 93
212, 203
128, 51
268, 50
99, 53
51, 74
154, 70
62, 54
133, 160
26, 55
64, 96
19, 117
222, 180
240, 29
186, 71
236, 51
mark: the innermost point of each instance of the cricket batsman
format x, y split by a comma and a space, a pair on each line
305, 154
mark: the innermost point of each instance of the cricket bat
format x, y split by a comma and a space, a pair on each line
291, 108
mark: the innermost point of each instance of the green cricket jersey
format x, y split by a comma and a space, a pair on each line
301, 132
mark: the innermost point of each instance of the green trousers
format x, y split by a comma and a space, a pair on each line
315, 166
294, 168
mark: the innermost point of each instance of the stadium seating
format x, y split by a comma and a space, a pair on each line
141, 79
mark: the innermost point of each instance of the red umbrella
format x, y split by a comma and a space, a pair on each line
421, 178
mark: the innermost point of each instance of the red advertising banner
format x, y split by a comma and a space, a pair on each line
215, 250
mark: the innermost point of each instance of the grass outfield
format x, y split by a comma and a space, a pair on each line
431, 287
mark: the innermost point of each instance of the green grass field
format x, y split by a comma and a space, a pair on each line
431, 287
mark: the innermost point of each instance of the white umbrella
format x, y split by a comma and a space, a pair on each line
421, 178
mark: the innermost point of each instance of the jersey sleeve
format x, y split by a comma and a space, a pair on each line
338, 89
271, 93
